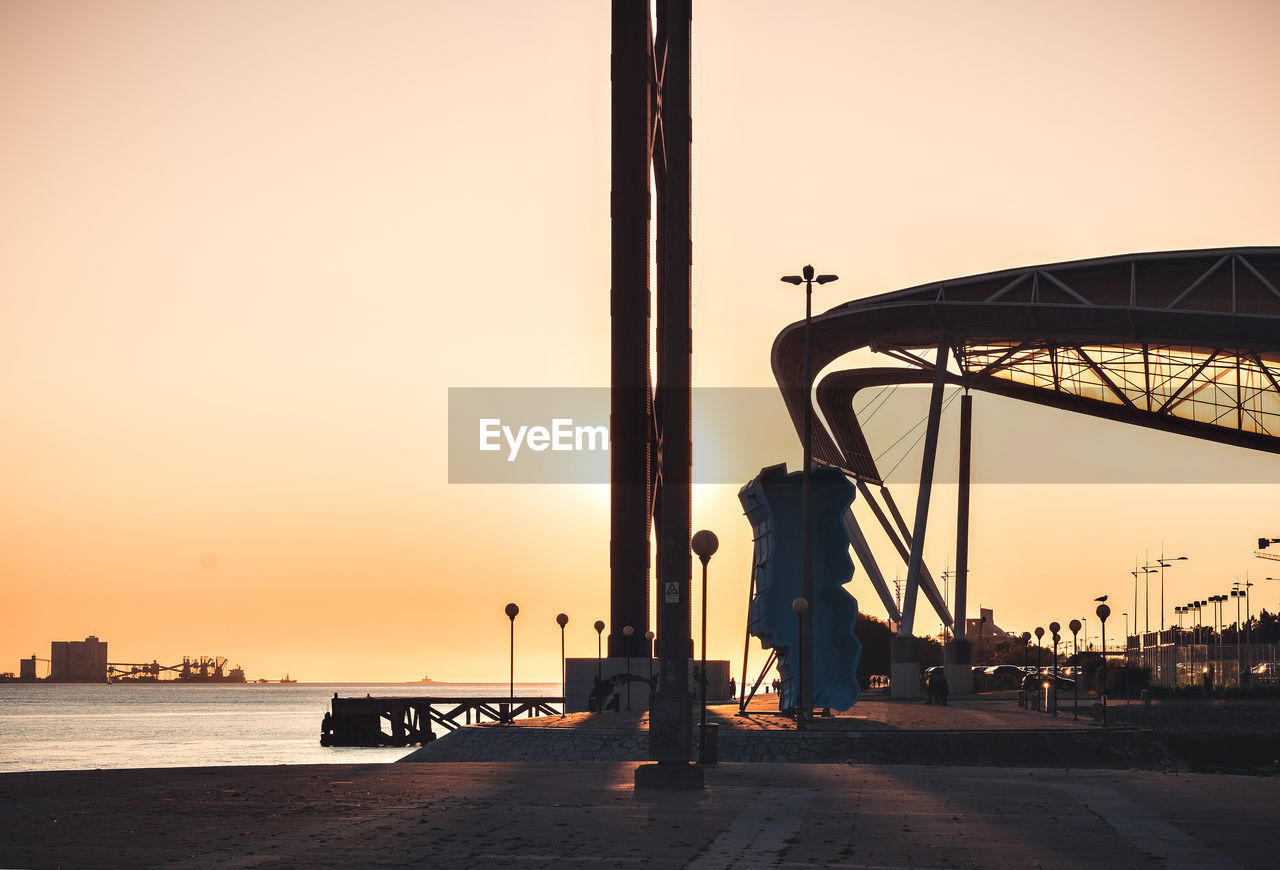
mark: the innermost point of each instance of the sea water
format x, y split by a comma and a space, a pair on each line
47, 726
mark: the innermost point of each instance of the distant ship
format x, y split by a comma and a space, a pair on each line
426, 680
209, 670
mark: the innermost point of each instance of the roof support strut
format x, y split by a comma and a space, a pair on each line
926, 490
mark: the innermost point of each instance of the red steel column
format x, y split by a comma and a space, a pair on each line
630, 412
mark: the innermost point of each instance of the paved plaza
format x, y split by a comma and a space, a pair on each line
529, 815
533, 814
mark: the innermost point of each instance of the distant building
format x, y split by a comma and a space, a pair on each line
27, 669
986, 623
74, 661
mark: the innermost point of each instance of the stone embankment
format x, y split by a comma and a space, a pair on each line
1235, 736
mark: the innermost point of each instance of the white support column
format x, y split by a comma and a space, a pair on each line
926, 490
904, 657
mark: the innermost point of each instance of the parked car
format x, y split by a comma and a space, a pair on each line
1036, 683
1002, 670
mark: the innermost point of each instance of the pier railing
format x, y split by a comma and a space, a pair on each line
409, 721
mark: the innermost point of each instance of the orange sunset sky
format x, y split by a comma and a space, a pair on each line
249, 246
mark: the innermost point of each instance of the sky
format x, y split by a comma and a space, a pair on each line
248, 248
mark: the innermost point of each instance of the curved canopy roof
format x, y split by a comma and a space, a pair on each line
1186, 342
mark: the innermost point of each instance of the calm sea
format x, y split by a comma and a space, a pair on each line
78, 727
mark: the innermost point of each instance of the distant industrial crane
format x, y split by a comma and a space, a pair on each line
1263, 543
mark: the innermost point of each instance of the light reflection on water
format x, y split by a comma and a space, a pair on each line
74, 727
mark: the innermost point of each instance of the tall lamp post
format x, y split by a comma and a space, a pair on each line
512, 610
1074, 625
807, 278
562, 619
1138, 572
800, 606
1039, 634
1103, 612
705, 543
1163, 562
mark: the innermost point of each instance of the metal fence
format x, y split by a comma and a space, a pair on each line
1200, 657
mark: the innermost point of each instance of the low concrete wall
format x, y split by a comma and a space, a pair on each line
1120, 748
524, 743
1057, 748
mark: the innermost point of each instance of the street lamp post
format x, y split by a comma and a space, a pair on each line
1103, 612
1039, 635
1054, 628
705, 543
1237, 595
1219, 626
1248, 620
807, 278
1026, 665
562, 619
511, 611
627, 631
599, 627
649, 636
1074, 625
800, 606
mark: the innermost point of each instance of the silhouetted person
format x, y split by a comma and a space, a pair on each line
595, 702
733, 688
936, 687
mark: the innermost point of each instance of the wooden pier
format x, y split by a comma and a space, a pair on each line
370, 721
